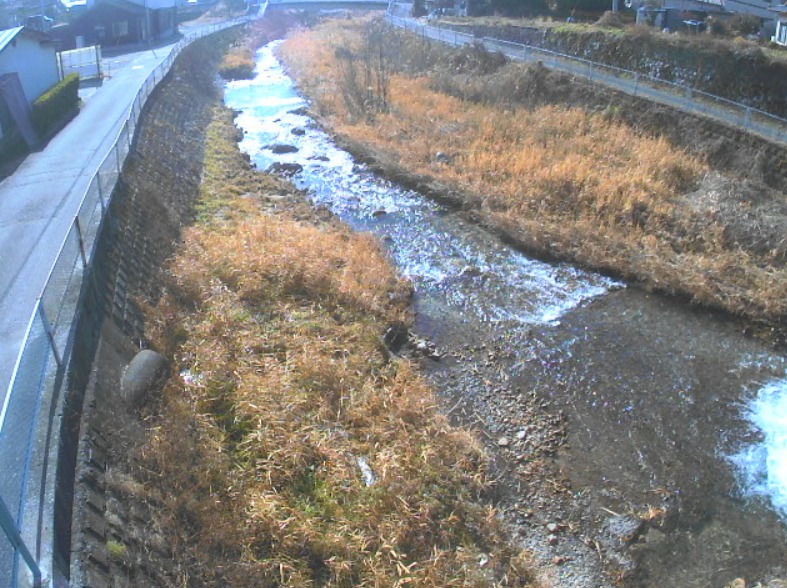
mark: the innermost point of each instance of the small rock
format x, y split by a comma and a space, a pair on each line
558, 560
396, 336
285, 169
521, 435
552, 528
319, 158
470, 271
146, 374
503, 442
654, 536
441, 157
379, 213
298, 132
280, 148
552, 540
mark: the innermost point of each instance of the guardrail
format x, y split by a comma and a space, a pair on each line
686, 98
30, 417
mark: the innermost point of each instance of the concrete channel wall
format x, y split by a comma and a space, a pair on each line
39, 418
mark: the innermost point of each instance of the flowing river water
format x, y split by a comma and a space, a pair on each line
674, 460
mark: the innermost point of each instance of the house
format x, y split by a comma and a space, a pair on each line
780, 36
675, 14
28, 68
110, 23
30, 55
692, 14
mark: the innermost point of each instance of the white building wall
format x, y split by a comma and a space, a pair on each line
36, 65
781, 31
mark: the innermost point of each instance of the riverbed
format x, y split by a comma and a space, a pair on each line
631, 433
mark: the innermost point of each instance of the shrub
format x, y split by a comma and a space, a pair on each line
54, 104
745, 24
238, 64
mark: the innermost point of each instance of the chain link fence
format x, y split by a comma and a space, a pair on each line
30, 417
685, 98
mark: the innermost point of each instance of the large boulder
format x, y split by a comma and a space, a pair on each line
144, 376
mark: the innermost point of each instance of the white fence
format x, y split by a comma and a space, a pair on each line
86, 62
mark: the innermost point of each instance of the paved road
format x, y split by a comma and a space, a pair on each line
38, 202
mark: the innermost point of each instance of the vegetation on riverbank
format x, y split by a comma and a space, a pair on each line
238, 61
292, 450
561, 181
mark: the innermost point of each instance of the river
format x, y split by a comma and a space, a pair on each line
669, 422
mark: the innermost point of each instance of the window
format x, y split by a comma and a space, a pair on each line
781, 33
120, 28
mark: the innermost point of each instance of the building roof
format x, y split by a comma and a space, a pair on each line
149, 4
759, 8
8, 35
88, 4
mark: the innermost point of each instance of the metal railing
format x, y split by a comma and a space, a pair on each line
32, 410
686, 98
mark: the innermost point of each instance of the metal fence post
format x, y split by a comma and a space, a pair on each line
100, 190
50, 334
81, 240
15, 539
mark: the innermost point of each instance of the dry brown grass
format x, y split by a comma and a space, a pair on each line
562, 181
256, 453
238, 62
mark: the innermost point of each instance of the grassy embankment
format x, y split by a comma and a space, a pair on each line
561, 181
273, 320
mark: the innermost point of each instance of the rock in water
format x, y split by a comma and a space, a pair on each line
285, 169
144, 376
396, 336
279, 148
